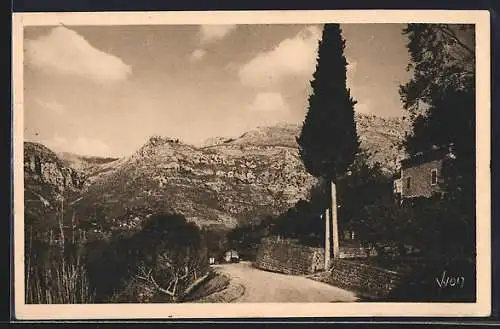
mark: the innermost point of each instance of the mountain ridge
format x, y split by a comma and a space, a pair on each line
226, 182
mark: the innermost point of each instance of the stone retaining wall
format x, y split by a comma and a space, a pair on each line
363, 279
289, 257
355, 252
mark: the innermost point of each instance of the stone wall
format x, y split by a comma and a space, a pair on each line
355, 252
289, 257
368, 281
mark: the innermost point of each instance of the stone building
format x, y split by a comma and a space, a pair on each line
231, 256
421, 174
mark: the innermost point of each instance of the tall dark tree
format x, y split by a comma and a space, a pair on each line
328, 141
440, 96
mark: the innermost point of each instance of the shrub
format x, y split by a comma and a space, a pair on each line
154, 264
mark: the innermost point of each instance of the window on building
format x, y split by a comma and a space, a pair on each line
433, 176
408, 182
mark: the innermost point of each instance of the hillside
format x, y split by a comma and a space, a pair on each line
226, 182
210, 186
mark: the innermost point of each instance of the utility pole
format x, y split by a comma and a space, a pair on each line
327, 239
335, 222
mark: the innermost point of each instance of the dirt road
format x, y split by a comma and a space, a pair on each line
267, 287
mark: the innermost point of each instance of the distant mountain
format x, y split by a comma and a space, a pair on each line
380, 137
84, 163
218, 185
226, 182
90, 166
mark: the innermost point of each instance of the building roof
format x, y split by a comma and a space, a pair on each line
437, 153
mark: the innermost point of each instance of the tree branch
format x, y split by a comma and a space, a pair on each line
449, 33
149, 277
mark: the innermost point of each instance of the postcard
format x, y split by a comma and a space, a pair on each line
251, 164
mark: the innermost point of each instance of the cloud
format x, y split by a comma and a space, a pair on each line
291, 57
198, 54
269, 102
212, 33
65, 52
80, 145
51, 106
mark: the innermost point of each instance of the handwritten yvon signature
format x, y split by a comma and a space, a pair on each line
450, 281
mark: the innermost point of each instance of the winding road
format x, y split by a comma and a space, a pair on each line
268, 287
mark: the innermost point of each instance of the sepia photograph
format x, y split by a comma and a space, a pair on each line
232, 164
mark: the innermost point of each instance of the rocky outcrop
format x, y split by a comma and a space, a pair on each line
47, 179
43, 165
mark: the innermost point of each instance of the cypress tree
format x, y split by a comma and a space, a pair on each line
328, 142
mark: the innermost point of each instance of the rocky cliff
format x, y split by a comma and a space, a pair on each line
46, 179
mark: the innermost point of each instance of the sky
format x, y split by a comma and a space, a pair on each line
104, 90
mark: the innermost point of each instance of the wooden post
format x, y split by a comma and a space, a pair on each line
327, 239
335, 223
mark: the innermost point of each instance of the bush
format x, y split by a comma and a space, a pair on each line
383, 227
154, 264
55, 270
302, 222
365, 186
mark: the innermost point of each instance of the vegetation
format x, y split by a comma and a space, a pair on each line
55, 270
155, 263
246, 238
301, 222
366, 185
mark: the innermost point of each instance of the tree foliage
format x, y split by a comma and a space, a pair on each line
440, 95
302, 222
440, 98
442, 59
246, 238
365, 185
328, 140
